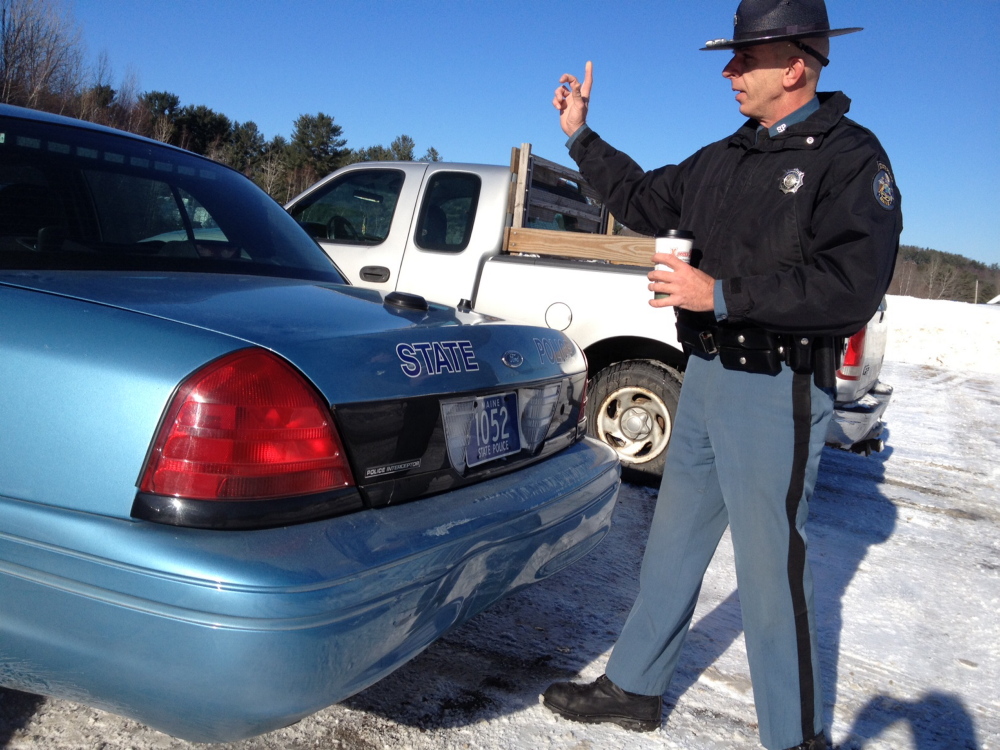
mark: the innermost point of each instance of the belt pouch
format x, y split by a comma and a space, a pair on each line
799, 354
762, 361
747, 338
749, 350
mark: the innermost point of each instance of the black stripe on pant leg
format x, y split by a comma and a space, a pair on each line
801, 419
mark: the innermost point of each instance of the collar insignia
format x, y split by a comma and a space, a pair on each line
792, 181
884, 188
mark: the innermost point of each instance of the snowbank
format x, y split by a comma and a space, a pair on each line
953, 335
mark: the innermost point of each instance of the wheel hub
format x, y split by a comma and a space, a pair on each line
636, 423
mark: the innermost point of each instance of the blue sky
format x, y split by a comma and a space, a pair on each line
474, 77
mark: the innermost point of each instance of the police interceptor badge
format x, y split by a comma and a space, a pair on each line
792, 180
512, 358
884, 188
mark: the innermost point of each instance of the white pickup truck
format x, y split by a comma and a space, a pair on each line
532, 242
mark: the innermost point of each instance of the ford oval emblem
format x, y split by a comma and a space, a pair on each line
512, 359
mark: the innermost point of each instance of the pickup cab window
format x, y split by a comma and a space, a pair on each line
448, 211
356, 208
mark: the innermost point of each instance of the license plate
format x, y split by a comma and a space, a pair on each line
493, 433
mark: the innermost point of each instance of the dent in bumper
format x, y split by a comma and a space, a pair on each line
216, 636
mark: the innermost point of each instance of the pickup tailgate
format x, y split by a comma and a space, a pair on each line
861, 397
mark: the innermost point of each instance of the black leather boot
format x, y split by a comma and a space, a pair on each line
816, 743
602, 701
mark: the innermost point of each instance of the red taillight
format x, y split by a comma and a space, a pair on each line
854, 357
246, 427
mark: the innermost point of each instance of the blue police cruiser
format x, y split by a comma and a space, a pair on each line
233, 489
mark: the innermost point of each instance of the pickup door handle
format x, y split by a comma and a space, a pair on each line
375, 273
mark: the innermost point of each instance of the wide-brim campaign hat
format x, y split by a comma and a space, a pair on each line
763, 21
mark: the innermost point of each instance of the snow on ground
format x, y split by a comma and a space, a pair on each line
952, 335
906, 553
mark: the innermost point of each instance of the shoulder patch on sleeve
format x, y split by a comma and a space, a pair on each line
884, 188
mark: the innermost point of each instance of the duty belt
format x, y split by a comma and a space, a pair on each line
759, 351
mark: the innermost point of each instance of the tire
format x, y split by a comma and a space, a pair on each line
631, 406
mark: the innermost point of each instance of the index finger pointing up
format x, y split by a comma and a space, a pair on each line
588, 80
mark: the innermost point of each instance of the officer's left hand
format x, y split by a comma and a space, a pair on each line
688, 287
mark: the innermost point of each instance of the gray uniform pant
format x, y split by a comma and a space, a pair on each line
744, 452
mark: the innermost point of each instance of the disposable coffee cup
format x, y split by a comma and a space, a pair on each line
676, 242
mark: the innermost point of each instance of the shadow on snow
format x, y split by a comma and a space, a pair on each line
499, 662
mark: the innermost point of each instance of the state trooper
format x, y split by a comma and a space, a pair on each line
796, 220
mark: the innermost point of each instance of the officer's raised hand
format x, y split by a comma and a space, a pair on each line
572, 99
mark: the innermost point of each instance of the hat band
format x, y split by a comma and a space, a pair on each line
783, 31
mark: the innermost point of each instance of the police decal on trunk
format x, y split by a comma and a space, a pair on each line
381, 471
555, 351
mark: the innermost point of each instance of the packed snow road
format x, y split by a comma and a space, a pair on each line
906, 554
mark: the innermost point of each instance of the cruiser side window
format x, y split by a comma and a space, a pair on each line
354, 209
448, 211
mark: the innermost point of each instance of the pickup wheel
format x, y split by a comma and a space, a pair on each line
631, 407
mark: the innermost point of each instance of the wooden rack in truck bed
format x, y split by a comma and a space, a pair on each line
545, 196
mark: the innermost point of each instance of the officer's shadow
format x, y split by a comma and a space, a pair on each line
937, 721
848, 514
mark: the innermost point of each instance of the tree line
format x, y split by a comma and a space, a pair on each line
932, 274
42, 67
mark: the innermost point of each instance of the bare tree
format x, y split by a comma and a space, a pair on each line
271, 172
96, 100
163, 129
948, 282
904, 279
40, 54
932, 275
130, 115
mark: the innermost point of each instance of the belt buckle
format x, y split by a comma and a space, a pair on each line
708, 342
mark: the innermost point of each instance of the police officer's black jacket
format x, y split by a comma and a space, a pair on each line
802, 228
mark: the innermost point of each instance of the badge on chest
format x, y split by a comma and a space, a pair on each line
792, 180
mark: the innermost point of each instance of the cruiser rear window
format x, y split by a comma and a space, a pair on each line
78, 198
